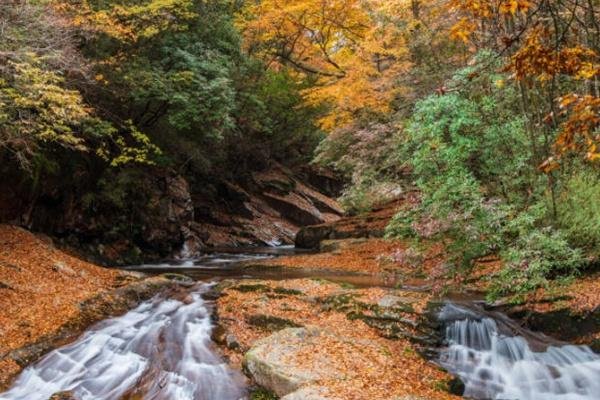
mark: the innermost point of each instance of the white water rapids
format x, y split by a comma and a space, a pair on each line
160, 350
494, 365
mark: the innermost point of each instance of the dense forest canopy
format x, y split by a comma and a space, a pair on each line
489, 108
134, 70
98, 97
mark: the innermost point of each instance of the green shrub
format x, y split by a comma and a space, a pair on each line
472, 158
579, 211
469, 158
533, 260
401, 225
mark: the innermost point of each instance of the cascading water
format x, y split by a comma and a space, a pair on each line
160, 350
495, 365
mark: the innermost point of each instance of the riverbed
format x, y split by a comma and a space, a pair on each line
163, 349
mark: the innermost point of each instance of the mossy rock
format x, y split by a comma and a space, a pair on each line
271, 323
456, 386
262, 394
390, 322
277, 292
248, 288
179, 278
289, 292
279, 186
341, 302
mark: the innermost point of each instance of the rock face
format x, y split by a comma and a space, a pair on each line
148, 214
269, 208
270, 361
170, 210
156, 226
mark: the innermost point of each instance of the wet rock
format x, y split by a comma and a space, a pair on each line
456, 386
221, 337
310, 237
63, 396
179, 278
231, 342
219, 334
269, 362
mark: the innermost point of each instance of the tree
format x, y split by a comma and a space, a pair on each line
552, 47
354, 50
40, 108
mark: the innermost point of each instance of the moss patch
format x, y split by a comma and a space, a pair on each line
252, 288
262, 394
271, 323
290, 292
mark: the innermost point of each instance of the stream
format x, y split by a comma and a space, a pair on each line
163, 350
498, 359
160, 350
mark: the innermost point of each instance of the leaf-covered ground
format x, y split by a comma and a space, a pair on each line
386, 368
40, 289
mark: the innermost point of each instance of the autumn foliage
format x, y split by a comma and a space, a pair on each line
550, 45
354, 50
488, 108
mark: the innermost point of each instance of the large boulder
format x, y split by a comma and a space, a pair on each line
270, 361
310, 237
301, 363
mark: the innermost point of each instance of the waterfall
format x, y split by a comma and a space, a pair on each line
185, 252
160, 350
496, 365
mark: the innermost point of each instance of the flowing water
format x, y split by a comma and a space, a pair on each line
160, 350
237, 264
496, 359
